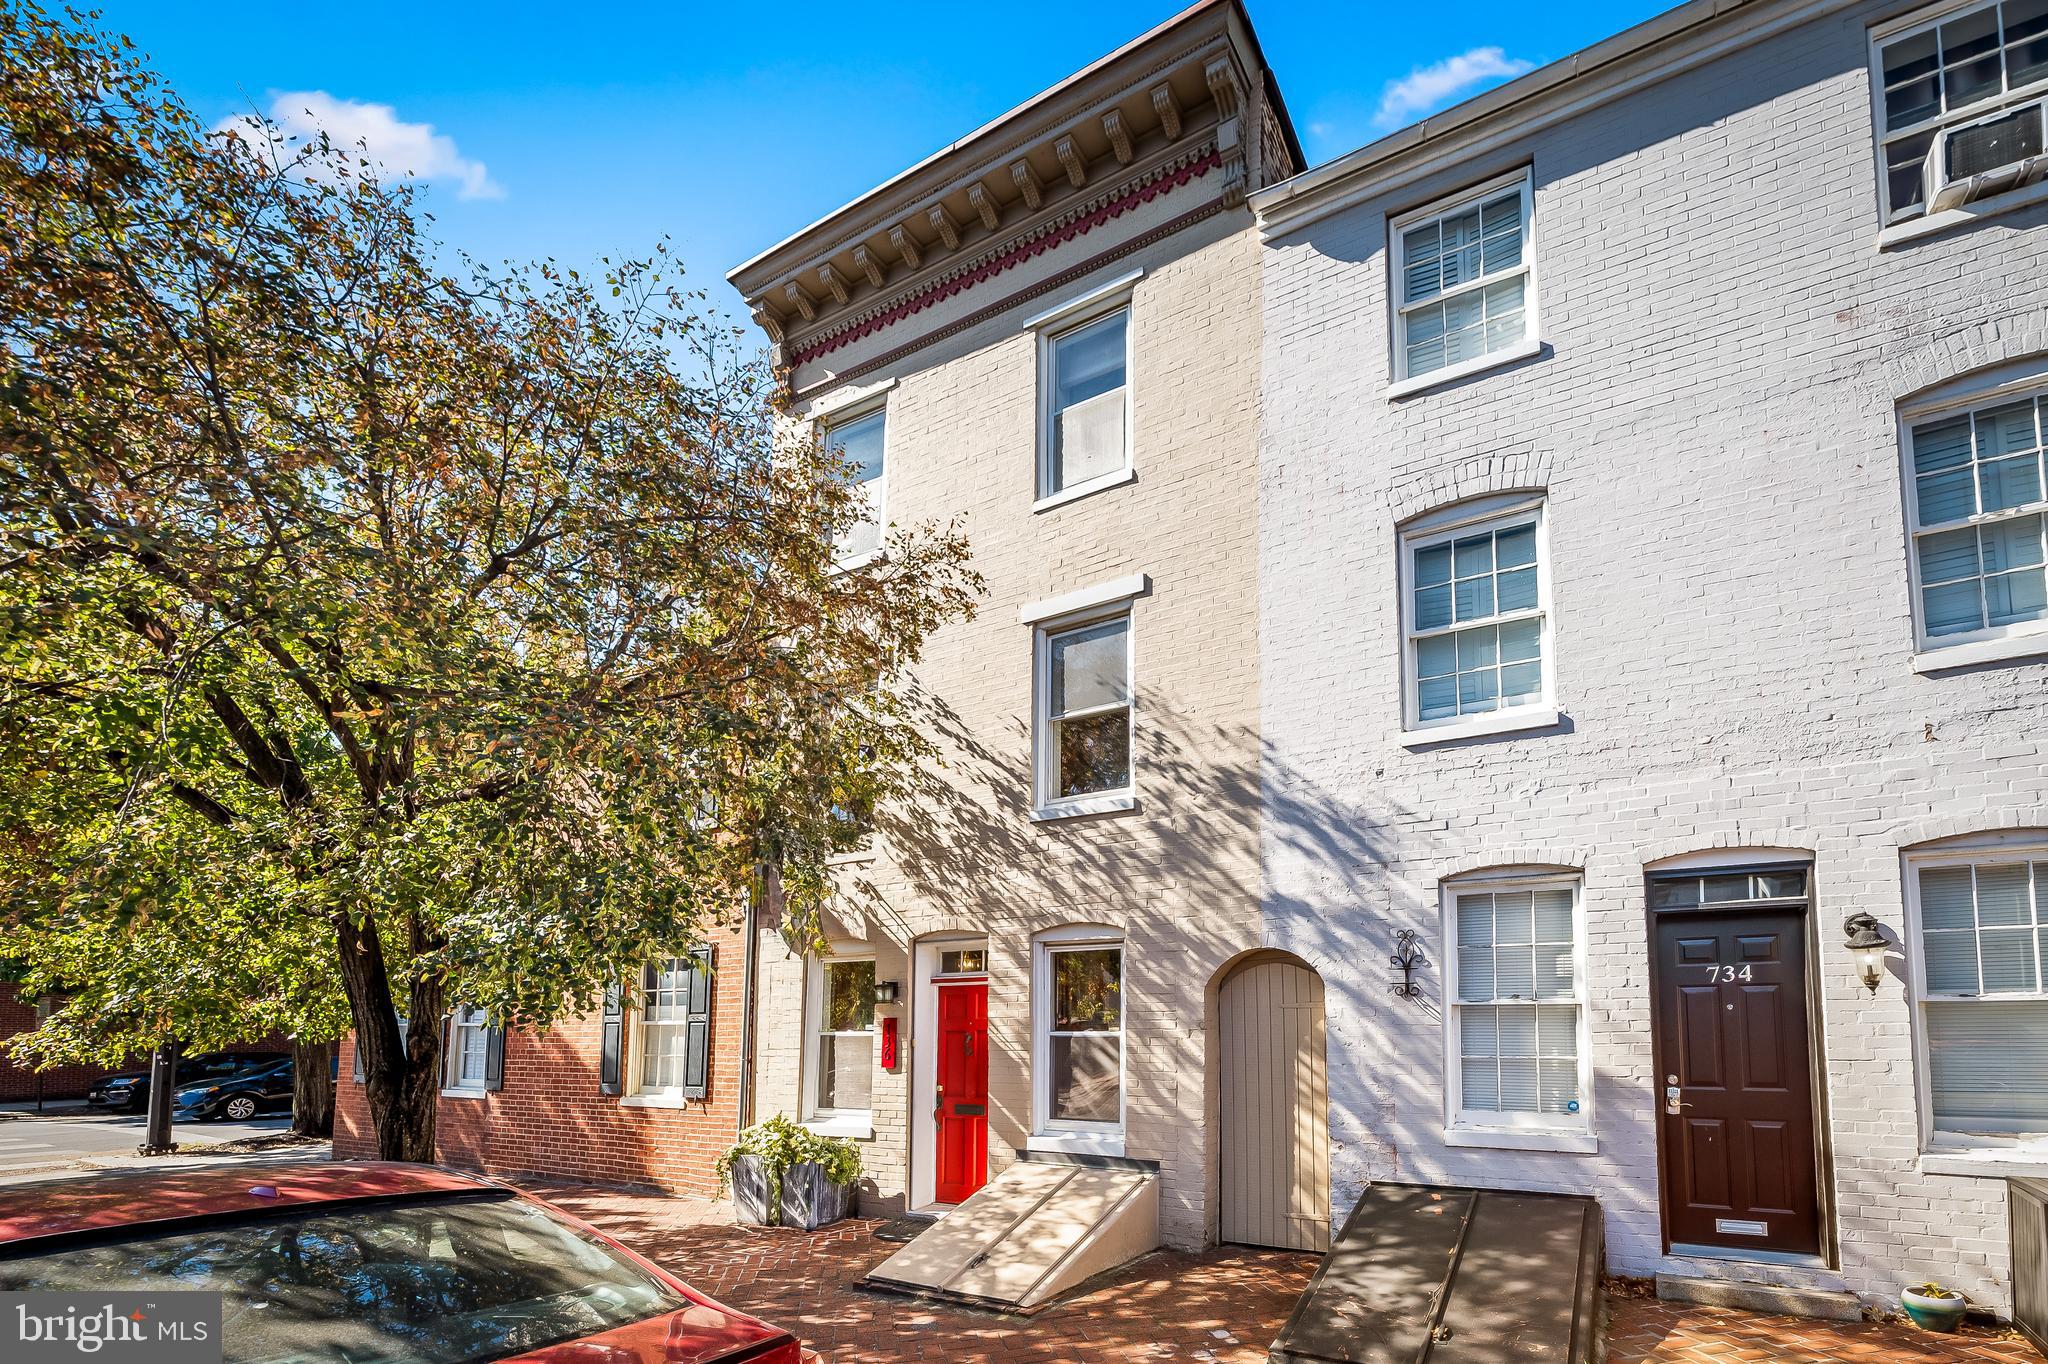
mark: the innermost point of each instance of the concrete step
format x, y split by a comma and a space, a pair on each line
1750, 1296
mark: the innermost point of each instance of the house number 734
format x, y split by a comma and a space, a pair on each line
1728, 973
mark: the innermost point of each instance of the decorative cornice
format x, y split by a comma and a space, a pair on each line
1167, 106
800, 300
1118, 135
984, 205
1061, 280
1027, 184
869, 266
1071, 158
942, 223
905, 244
833, 284
1075, 223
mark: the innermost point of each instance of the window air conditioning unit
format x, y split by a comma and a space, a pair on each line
1990, 156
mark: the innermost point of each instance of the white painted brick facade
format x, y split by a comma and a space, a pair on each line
1714, 420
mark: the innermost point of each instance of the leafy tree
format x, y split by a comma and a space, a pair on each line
475, 633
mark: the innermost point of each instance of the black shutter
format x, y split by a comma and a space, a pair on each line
697, 1027
611, 1042
494, 1059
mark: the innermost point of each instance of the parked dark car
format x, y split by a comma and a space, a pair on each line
237, 1097
128, 1092
373, 1262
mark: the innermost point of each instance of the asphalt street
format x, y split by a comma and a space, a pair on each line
74, 1138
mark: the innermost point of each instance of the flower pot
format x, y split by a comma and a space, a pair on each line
809, 1199
1930, 1313
750, 1192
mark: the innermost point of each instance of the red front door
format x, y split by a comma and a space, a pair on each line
961, 1111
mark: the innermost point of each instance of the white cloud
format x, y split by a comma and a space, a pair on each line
396, 147
1429, 88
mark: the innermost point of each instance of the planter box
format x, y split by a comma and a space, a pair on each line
809, 1200
750, 1192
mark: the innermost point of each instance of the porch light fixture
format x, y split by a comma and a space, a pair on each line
1867, 947
886, 991
1407, 956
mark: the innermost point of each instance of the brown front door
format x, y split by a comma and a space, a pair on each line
1735, 1082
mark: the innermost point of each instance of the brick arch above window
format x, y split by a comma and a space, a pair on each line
1914, 376
1734, 841
1527, 858
1959, 831
1518, 470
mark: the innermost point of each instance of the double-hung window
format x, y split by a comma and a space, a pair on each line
1983, 962
1979, 514
843, 1038
860, 443
1464, 290
675, 1027
1079, 1042
1474, 607
1516, 1036
1961, 97
468, 1060
1084, 704
1086, 373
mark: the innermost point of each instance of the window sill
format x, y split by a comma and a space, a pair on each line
1507, 722
1081, 490
1980, 651
1912, 229
860, 561
858, 1126
859, 857
1522, 1139
1436, 378
1086, 805
654, 1101
2026, 1158
1077, 1143
454, 1093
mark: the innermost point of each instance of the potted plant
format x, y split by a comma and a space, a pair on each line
780, 1171
1934, 1308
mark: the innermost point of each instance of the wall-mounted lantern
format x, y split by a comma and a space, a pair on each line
1867, 946
886, 991
1407, 956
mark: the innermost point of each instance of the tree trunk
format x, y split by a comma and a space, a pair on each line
401, 1070
313, 1088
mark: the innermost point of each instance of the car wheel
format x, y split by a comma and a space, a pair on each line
240, 1108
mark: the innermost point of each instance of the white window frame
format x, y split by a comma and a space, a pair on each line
1993, 642
1049, 327
846, 414
1067, 1134
845, 1122
463, 1020
637, 1092
1398, 307
1494, 513
1996, 106
1488, 1127
1046, 804
1947, 1151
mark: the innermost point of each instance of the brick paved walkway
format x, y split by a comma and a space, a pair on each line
1645, 1331
1220, 1307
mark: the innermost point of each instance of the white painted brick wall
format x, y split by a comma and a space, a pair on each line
1714, 420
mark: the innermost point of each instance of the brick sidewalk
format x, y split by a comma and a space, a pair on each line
1223, 1306
1645, 1331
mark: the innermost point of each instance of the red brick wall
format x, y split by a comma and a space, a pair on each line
550, 1119
18, 1014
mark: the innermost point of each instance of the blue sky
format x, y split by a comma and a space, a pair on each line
577, 131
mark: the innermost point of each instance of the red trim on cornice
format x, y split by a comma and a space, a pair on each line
945, 289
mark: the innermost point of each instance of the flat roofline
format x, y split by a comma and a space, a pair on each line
1043, 97
1585, 62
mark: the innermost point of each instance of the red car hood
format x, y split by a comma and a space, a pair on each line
696, 1335
54, 1207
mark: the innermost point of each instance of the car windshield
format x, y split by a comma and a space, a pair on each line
441, 1282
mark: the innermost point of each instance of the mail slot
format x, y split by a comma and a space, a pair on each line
969, 1110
